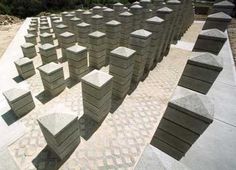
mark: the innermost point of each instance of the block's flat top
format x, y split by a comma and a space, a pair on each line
27, 45
23, 61
113, 23
87, 13
61, 26
97, 16
67, 34
97, 34
46, 46
224, 3
64, 13
142, 33
136, 7
56, 122
196, 105
75, 19
118, 4
79, 10
126, 13
69, 15
83, 24
44, 28
50, 68
213, 33
108, 10
45, 34
30, 35
123, 52
77, 49
97, 79
155, 20
220, 15
207, 60
165, 10
13, 94
173, 2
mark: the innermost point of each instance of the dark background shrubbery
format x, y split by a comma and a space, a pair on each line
25, 8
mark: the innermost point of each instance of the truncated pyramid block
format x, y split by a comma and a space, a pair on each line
97, 91
66, 39
77, 61
200, 72
31, 38
20, 101
53, 78
218, 20
25, 67
223, 6
28, 50
211, 40
48, 53
121, 75
61, 132
184, 120
46, 38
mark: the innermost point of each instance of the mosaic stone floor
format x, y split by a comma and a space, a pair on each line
119, 140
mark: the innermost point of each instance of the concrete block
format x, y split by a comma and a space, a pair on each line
28, 50
44, 29
223, 6
31, 38
25, 67
46, 38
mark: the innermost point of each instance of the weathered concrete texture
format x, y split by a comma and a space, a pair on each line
25, 67
20, 101
72, 24
66, 39
200, 72
140, 41
86, 16
61, 132
97, 91
97, 10
113, 29
184, 120
44, 29
121, 68
48, 53
78, 13
60, 28
77, 61
118, 8
97, 23
218, 21
211, 40
67, 19
147, 10
97, 49
223, 6
31, 38
137, 12
108, 14
83, 29
52, 77
28, 50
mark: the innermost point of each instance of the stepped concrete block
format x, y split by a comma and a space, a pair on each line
28, 50
66, 39
25, 67
67, 19
118, 9
46, 38
61, 132
211, 40
200, 72
73, 22
86, 16
223, 6
20, 101
31, 38
32, 31
108, 14
97, 23
61, 28
78, 13
48, 53
44, 29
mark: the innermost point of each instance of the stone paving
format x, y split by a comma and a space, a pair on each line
118, 142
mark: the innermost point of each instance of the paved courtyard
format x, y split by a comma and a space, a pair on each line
116, 143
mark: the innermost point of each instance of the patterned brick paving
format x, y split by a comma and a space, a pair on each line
118, 142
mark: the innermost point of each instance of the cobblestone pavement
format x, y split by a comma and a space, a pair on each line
118, 142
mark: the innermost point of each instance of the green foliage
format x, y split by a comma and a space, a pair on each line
4, 9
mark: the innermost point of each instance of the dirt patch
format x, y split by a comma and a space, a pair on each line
232, 37
8, 20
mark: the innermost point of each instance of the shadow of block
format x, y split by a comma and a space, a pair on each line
133, 86
62, 60
88, 126
44, 97
145, 75
48, 160
10, 117
71, 82
115, 103
18, 79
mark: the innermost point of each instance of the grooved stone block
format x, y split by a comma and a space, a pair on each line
61, 132
218, 20
223, 6
28, 50
185, 119
121, 76
126, 20
52, 77
44, 29
20, 101
61, 28
72, 24
77, 60
97, 23
78, 13
211, 40
66, 39
46, 38
96, 91
25, 67
82, 31
200, 72
48, 53
108, 14
86, 16
31, 38
137, 12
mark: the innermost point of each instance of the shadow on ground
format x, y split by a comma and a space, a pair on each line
10, 117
